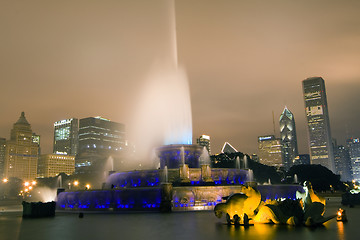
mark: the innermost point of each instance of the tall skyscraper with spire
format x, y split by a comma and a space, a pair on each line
22, 152
288, 138
316, 109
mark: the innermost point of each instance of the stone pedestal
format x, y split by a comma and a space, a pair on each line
184, 173
166, 197
206, 173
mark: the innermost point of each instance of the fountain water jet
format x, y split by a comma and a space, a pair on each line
296, 178
205, 157
166, 174
166, 95
182, 155
237, 163
43, 194
59, 181
250, 175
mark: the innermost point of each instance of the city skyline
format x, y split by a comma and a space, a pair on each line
85, 62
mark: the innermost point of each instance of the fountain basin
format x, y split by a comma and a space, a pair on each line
172, 155
196, 176
175, 198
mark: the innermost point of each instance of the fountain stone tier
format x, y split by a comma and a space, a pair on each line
176, 155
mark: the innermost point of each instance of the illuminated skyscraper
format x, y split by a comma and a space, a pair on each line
302, 159
270, 151
288, 138
316, 109
2, 156
66, 137
354, 150
204, 141
342, 162
99, 139
21, 154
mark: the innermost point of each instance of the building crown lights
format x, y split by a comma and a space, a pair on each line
101, 118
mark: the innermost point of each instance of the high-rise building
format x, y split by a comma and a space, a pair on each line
2, 156
228, 148
342, 162
21, 154
316, 109
66, 136
204, 141
51, 165
354, 151
36, 139
255, 157
302, 159
270, 151
99, 139
288, 138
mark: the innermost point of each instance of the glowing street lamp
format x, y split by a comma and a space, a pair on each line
87, 186
5, 180
26, 184
76, 183
33, 183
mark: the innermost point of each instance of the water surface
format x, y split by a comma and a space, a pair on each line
184, 225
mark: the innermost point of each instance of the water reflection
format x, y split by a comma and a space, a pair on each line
175, 226
278, 232
263, 231
340, 229
10, 226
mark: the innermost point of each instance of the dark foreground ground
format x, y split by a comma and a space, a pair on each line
184, 225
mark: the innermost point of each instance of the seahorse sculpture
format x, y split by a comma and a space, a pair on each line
239, 207
307, 209
286, 211
313, 207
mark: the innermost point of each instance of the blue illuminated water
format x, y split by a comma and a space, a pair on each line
184, 225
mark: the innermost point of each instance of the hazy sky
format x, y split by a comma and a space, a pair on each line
244, 59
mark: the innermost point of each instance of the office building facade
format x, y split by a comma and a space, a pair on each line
51, 165
316, 110
288, 138
354, 151
302, 159
270, 151
99, 139
21, 153
66, 137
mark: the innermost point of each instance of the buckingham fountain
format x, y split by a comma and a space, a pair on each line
185, 180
